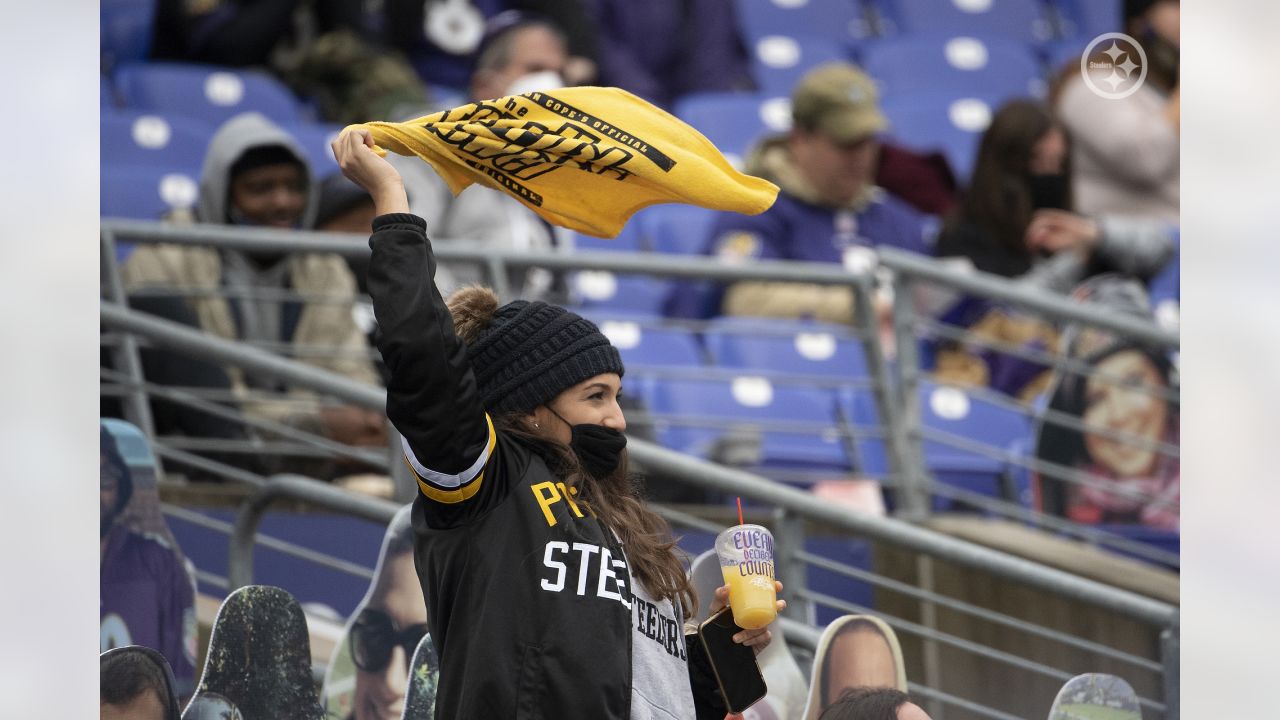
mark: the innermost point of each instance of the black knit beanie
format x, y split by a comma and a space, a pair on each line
533, 351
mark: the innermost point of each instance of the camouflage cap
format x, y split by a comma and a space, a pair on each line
840, 100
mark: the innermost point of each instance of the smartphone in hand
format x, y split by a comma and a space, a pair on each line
734, 665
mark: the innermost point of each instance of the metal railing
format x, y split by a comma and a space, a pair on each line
892, 385
790, 503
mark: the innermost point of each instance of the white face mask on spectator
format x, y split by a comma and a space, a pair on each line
534, 82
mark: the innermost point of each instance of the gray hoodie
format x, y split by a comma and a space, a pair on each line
237, 136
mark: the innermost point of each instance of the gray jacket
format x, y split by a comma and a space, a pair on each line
1131, 246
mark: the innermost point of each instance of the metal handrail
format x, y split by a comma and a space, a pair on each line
278, 487
264, 240
897, 416
1042, 301
662, 461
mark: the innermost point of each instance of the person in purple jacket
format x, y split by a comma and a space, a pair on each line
829, 208
147, 598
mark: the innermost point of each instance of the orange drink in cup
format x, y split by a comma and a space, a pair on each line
746, 560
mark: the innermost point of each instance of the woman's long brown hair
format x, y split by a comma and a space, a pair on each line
616, 499
998, 198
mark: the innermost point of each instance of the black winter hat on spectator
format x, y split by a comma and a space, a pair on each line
532, 351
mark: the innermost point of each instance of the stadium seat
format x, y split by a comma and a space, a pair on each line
840, 21
677, 229
734, 122
146, 192
259, 657
779, 61
950, 121
604, 290
696, 416
315, 139
1087, 19
106, 94
646, 344
205, 92
175, 143
629, 240
860, 417
950, 411
786, 346
1063, 55
1021, 20
960, 63
1169, 541
1165, 291
125, 30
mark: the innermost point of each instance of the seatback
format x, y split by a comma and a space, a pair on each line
1022, 20
779, 61
173, 142
973, 64
786, 346
126, 27
206, 92
770, 424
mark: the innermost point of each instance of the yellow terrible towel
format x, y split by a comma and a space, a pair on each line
586, 158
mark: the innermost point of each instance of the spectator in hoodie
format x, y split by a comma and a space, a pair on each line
256, 175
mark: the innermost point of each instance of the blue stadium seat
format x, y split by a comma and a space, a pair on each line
604, 290
173, 142
950, 121
1086, 19
959, 63
779, 61
1062, 55
677, 229
693, 415
106, 94
840, 21
1165, 290
629, 239
645, 343
860, 416
315, 139
205, 92
145, 192
1169, 541
786, 346
734, 122
955, 412
1022, 20
125, 27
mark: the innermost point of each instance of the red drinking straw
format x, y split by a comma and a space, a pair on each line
740, 512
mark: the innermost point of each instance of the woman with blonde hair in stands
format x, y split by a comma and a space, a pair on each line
552, 589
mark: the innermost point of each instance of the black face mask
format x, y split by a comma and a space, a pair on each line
597, 447
1048, 190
